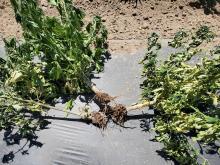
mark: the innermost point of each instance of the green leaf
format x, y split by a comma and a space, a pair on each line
18, 107
56, 71
53, 2
185, 94
69, 105
15, 77
65, 61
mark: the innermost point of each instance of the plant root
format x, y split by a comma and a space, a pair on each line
116, 113
99, 119
103, 98
140, 105
119, 113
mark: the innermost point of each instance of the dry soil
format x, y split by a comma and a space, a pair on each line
128, 26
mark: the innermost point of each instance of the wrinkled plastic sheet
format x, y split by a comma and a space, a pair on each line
71, 141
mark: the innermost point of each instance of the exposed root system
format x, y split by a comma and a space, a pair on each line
103, 98
106, 109
99, 119
119, 113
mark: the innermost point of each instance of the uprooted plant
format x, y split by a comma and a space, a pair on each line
56, 57
185, 96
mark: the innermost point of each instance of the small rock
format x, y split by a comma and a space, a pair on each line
176, 15
181, 7
2, 7
44, 5
113, 22
164, 12
169, 7
145, 27
146, 18
152, 8
122, 13
134, 14
184, 15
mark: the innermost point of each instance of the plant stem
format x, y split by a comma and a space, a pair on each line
46, 106
128, 108
207, 118
140, 105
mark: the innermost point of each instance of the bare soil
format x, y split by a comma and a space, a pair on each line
128, 26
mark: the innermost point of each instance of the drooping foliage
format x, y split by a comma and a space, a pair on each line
186, 97
57, 56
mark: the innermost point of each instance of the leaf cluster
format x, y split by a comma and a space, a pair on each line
186, 96
56, 57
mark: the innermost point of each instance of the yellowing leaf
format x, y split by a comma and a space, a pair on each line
15, 77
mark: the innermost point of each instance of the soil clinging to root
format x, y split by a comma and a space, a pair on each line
108, 110
99, 119
103, 98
